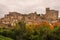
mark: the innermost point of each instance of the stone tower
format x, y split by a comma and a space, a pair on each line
51, 14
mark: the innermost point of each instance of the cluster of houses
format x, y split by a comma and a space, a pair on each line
32, 18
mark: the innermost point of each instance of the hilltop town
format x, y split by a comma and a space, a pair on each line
32, 18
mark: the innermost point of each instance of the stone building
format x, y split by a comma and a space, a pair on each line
51, 14
31, 18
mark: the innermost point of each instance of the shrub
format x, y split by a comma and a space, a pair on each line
4, 38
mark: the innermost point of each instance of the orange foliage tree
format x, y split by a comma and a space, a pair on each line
42, 24
56, 24
46, 24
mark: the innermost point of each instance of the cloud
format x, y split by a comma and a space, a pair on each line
26, 6
3, 10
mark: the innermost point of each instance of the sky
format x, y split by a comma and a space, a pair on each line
27, 6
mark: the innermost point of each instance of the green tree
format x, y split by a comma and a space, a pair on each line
54, 34
21, 32
8, 33
38, 35
4, 38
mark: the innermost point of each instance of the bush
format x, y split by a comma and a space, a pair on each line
4, 38
54, 34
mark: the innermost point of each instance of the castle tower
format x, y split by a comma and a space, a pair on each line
47, 9
51, 14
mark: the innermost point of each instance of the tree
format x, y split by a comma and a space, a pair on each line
38, 35
8, 33
4, 38
21, 32
54, 34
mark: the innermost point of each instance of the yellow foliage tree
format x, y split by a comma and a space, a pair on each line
46, 24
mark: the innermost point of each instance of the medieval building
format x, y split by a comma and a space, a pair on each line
51, 14
31, 18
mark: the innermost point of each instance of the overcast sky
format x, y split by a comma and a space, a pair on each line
27, 6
